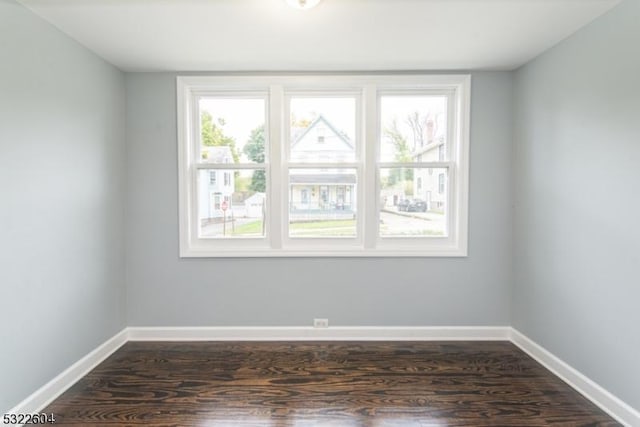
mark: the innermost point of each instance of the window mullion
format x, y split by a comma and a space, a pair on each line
230, 166
324, 165
276, 184
370, 191
413, 165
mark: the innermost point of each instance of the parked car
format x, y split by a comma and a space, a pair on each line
417, 205
403, 205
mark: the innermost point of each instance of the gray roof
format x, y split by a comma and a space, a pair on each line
429, 147
313, 124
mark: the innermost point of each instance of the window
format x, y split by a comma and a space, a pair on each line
323, 165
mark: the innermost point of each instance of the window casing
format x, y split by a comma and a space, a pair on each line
361, 177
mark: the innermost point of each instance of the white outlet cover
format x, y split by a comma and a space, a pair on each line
320, 323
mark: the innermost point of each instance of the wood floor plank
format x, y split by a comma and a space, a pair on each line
381, 384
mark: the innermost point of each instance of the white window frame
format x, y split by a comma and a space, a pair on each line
368, 89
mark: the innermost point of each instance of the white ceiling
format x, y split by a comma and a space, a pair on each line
267, 35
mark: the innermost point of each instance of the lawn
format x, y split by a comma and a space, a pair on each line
315, 225
250, 228
332, 228
312, 228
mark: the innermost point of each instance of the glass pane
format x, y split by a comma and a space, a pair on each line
323, 129
413, 128
231, 203
413, 202
322, 202
232, 130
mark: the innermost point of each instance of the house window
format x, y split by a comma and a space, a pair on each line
324, 195
323, 154
441, 183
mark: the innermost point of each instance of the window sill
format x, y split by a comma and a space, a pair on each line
441, 252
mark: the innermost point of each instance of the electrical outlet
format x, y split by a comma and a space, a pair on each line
320, 323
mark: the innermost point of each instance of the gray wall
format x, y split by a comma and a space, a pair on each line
577, 236
164, 290
61, 202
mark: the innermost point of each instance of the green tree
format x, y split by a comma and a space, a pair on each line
402, 153
212, 134
254, 149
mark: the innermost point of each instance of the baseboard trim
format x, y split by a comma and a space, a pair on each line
604, 399
609, 403
46, 394
489, 333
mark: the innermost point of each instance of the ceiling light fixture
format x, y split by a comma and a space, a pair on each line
303, 4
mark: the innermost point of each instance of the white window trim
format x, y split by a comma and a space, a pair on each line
368, 243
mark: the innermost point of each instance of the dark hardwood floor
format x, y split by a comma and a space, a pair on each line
348, 384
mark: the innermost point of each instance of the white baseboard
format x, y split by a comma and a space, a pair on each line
609, 403
46, 394
341, 333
